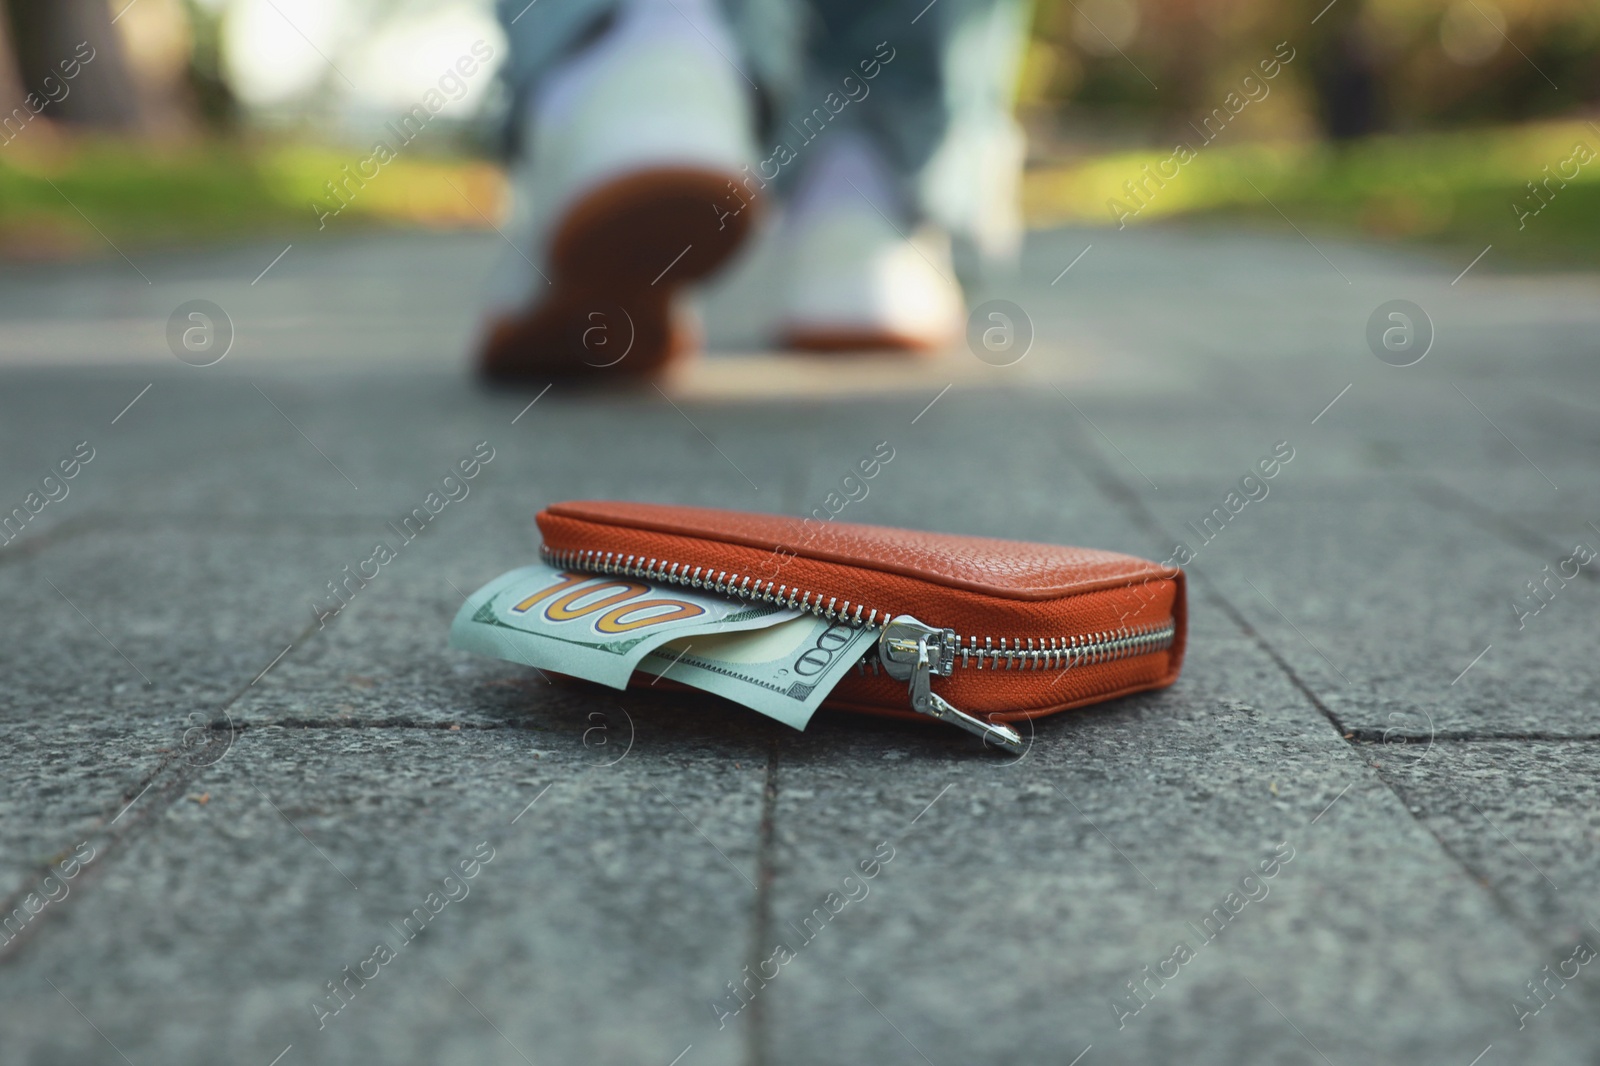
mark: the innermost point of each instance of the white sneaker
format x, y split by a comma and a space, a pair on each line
632, 188
858, 284
858, 280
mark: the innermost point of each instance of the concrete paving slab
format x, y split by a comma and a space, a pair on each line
114, 618
1022, 902
1385, 611
611, 892
1022, 897
1521, 816
126, 646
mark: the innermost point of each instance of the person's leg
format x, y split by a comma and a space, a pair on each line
539, 38
942, 110
863, 273
632, 114
766, 48
634, 123
900, 140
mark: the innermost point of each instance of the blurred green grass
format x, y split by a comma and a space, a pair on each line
1453, 189
66, 197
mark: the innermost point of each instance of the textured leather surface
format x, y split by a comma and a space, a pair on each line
1005, 568
993, 593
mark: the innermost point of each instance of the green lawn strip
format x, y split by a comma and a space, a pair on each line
154, 195
1452, 188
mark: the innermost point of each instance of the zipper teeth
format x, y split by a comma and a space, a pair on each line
1032, 653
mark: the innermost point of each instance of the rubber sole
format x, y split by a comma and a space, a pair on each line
616, 260
831, 340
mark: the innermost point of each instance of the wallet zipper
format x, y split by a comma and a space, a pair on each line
907, 649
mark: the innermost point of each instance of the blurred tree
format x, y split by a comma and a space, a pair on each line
10, 78
46, 33
1149, 66
214, 97
1345, 71
131, 77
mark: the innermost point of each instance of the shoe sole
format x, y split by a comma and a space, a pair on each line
617, 257
835, 340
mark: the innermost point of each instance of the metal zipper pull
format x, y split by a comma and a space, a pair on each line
914, 652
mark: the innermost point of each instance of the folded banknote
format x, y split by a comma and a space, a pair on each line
779, 661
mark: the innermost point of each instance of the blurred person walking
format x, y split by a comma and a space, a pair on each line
650, 134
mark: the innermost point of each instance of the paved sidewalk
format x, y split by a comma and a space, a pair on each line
1363, 710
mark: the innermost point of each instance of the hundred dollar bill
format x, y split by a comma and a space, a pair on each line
784, 671
593, 626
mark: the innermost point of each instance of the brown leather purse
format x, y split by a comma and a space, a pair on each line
1014, 630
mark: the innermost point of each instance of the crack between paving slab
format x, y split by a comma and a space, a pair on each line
103, 838
66, 529
1261, 642
792, 484
106, 839
266, 524
1376, 736
761, 918
1504, 529
1099, 472
77, 526
385, 723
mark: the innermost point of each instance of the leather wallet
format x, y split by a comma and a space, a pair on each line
1012, 630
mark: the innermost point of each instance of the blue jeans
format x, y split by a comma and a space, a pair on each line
931, 86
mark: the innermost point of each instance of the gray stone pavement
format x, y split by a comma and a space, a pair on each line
1359, 700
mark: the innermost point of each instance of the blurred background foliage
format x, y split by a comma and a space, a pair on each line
1438, 120
1364, 67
